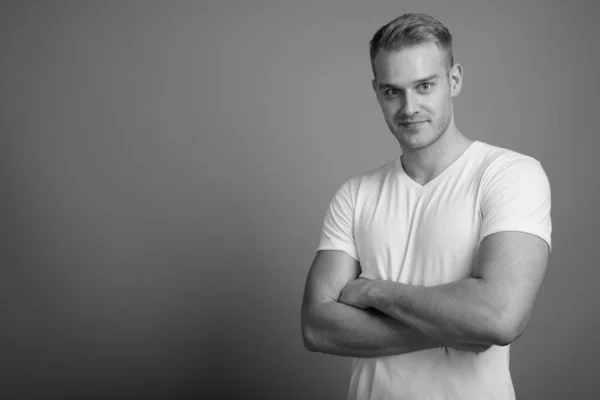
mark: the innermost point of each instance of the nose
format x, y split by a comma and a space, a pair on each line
411, 104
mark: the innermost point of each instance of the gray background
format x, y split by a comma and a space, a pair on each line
166, 166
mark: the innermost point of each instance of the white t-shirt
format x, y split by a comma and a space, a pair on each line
428, 235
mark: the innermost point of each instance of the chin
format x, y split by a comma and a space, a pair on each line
417, 141
424, 137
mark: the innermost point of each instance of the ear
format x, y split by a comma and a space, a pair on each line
455, 76
374, 85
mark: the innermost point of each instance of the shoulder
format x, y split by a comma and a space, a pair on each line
501, 163
513, 180
371, 179
378, 176
515, 195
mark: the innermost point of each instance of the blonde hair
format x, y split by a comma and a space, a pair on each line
410, 30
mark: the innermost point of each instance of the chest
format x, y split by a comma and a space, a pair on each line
418, 236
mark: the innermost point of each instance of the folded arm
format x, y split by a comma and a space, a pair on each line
492, 308
332, 327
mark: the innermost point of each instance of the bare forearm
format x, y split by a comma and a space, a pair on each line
339, 329
457, 312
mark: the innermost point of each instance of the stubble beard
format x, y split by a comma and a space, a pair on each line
439, 128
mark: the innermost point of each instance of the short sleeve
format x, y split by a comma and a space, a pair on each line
516, 197
338, 226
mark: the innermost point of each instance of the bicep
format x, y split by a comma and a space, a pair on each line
328, 274
512, 266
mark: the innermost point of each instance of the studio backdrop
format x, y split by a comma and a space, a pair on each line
165, 168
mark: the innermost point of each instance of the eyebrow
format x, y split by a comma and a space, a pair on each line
384, 85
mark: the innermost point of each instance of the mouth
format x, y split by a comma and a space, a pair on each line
412, 124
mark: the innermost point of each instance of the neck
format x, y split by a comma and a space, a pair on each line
424, 164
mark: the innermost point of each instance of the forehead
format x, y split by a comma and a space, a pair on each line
409, 64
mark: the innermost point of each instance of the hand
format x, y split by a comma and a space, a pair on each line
354, 293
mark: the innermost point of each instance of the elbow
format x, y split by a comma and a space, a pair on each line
507, 329
309, 340
309, 343
309, 335
502, 337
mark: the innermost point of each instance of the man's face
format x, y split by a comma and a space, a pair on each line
415, 90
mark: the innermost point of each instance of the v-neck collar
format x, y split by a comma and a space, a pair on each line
421, 188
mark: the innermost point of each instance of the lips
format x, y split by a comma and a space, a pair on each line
411, 123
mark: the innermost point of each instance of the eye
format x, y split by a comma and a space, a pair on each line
392, 92
426, 87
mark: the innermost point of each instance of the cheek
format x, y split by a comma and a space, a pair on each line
389, 109
438, 106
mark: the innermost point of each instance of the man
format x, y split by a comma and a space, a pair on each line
428, 266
